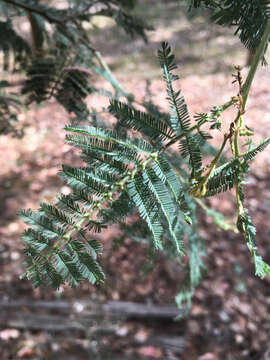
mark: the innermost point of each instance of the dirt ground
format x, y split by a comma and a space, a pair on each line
230, 317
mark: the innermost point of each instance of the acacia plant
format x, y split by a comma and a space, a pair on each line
155, 166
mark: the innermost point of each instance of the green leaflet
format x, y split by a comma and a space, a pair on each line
49, 256
248, 17
118, 210
250, 155
57, 214
50, 274
165, 172
226, 176
69, 206
148, 208
137, 145
36, 240
67, 267
41, 223
196, 267
167, 205
196, 264
35, 274
190, 146
82, 180
246, 226
180, 119
107, 151
140, 121
94, 247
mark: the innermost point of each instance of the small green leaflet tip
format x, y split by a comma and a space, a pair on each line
188, 219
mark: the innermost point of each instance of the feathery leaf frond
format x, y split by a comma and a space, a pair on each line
140, 121
249, 17
15, 49
250, 155
246, 226
167, 206
180, 119
148, 209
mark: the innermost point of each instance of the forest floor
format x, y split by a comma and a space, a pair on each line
230, 317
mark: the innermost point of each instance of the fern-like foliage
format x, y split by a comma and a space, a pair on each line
123, 173
180, 119
249, 17
138, 170
60, 61
227, 175
57, 229
10, 104
137, 120
14, 48
246, 226
195, 268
